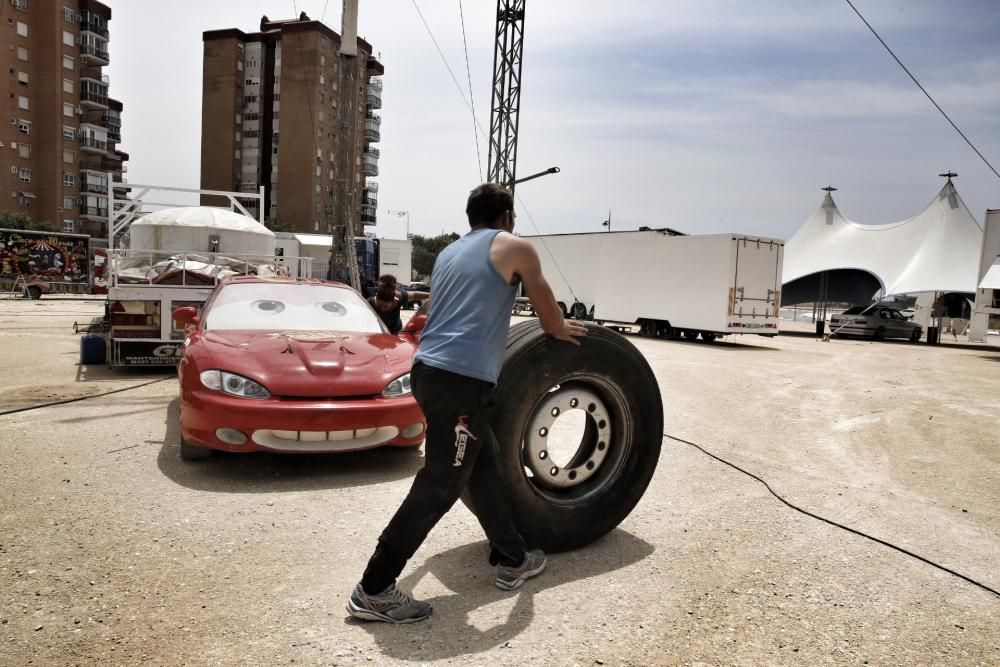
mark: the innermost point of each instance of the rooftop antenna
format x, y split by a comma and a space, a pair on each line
949, 175
829, 189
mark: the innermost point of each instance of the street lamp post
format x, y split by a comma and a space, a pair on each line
400, 214
607, 223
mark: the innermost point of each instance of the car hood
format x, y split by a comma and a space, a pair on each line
319, 364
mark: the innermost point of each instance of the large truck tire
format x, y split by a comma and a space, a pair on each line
33, 292
557, 508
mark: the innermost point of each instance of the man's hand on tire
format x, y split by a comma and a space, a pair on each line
570, 332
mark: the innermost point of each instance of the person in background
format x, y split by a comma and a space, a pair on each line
453, 379
389, 299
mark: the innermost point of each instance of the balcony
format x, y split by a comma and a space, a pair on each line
372, 125
93, 145
94, 211
368, 215
98, 25
373, 94
94, 188
93, 93
95, 54
369, 162
371, 186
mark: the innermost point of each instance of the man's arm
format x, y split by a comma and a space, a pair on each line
526, 264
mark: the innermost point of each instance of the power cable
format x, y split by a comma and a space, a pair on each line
922, 89
83, 398
545, 245
834, 523
472, 100
448, 67
323, 15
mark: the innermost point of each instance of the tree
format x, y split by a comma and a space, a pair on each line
426, 249
19, 220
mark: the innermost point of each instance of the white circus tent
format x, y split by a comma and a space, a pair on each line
832, 258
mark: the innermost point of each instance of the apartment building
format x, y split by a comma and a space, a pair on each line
62, 130
282, 110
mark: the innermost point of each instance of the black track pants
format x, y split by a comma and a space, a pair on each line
460, 452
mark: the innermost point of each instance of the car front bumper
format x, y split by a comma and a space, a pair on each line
219, 421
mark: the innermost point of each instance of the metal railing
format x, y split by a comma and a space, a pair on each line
162, 268
91, 142
92, 51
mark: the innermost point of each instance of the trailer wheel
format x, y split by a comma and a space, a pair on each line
647, 328
567, 499
562, 308
194, 453
33, 292
664, 330
579, 311
708, 336
690, 335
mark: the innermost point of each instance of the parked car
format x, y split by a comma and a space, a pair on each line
877, 322
293, 365
908, 313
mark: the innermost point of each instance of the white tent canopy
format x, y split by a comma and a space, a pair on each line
935, 251
189, 228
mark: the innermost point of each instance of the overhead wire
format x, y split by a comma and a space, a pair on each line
830, 522
472, 99
922, 89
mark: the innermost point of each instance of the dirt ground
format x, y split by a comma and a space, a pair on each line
114, 551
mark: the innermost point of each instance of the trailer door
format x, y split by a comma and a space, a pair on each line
757, 278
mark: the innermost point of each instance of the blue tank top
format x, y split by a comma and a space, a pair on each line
466, 331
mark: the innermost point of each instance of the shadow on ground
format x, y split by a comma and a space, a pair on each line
263, 472
450, 633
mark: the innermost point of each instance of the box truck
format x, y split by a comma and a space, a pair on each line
665, 283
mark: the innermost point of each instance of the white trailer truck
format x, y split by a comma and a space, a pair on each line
669, 285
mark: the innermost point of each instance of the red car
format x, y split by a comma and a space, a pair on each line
294, 365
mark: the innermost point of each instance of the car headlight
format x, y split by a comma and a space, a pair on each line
235, 385
398, 387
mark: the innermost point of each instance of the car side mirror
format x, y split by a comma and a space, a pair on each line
186, 315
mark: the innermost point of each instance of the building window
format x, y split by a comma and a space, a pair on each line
239, 65
315, 225
317, 188
236, 154
251, 116
24, 126
69, 202
24, 150
21, 5
69, 63
277, 97
322, 79
69, 157
69, 15
22, 53
322, 61
68, 86
319, 172
22, 102
22, 77
22, 29
68, 110
25, 175
249, 99
317, 207
68, 38
69, 226
237, 137
69, 180
69, 133
996, 298
323, 40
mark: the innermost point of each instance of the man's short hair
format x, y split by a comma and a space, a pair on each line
486, 203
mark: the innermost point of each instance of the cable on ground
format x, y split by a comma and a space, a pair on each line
83, 398
834, 523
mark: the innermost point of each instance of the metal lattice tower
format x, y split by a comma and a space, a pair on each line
506, 102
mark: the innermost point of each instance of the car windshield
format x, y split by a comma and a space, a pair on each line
290, 306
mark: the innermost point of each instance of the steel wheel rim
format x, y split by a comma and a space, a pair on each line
601, 452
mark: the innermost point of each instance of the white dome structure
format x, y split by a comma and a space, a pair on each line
935, 251
193, 228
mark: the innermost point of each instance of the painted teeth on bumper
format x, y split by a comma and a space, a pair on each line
324, 441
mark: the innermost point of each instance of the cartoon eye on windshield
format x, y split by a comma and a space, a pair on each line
333, 308
267, 306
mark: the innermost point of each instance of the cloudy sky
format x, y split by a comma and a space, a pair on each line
702, 115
